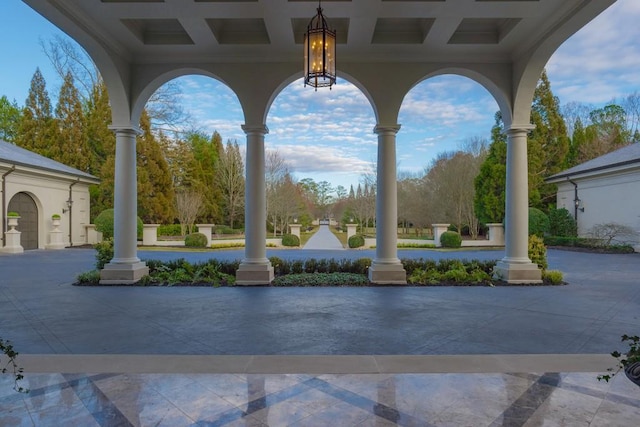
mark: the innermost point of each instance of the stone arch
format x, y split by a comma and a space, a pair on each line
149, 87
499, 94
342, 75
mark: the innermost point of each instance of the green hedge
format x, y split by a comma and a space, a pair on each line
356, 241
451, 239
195, 240
104, 224
290, 240
587, 243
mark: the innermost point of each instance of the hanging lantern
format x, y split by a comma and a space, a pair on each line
319, 53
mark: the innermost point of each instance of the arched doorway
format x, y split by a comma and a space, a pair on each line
28, 224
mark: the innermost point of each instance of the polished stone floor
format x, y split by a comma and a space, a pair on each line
507, 399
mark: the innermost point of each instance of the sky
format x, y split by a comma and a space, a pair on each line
328, 135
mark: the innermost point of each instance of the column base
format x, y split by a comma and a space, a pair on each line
254, 274
12, 250
387, 274
123, 274
517, 273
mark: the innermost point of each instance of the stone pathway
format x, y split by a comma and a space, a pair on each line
324, 239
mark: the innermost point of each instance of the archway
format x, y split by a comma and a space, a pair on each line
446, 129
25, 206
326, 141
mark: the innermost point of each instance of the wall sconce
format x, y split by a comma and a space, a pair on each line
69, 203
579, 205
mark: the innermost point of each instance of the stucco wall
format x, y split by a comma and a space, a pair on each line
605, 199
50, 194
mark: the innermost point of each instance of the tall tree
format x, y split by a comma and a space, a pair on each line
205, 155
10, 116
155, 192
230, 175
490, 183
71, 147
547, 145
102, 143
36, 128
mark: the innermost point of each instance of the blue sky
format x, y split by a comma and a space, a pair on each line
595, 66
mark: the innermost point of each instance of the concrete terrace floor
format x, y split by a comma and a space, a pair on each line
318, 356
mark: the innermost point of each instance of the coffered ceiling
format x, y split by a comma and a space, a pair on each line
154, 31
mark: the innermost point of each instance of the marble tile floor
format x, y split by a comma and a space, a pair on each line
400, 391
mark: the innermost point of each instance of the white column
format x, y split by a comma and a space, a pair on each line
255, 268
516, 267
125, 267
386, 267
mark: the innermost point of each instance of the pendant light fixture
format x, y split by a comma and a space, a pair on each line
319, 53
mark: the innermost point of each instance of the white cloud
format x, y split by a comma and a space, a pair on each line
600, 62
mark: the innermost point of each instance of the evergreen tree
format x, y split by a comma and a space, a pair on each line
577, 143
102, 146
155, 190
71, 147
205, 155
489, 200
547, 145
10, 116
36, 128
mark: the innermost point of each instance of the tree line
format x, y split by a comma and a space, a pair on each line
191, 177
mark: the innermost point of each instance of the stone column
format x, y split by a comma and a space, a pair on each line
207, 230
438, 229
496, 234
12, 237
351, 230
255, 268
55, 235
125, 267
386, 268
516, 267
150, 234
295, 229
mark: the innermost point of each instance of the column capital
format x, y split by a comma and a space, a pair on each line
131, 130
519, 128
382, 129
255, 129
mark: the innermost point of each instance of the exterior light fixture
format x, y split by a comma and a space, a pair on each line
69, 203
319, 53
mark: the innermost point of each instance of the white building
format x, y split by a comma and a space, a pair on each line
37, 188
603, 190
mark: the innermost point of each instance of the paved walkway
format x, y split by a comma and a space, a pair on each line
324, 239
377, 356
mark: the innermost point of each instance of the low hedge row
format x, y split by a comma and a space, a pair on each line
587, 243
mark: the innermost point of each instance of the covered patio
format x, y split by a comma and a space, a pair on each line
384, 47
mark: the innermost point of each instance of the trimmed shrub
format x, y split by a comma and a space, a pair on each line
290, 240
195, 240
322, 279
451, 239
538, 252
553, 277
356, 241
104, 253
562, 223
104, 224
538, 222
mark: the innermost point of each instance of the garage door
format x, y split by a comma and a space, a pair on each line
28, 223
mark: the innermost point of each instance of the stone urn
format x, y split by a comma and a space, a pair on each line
632, 371
12, 221
55, 221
